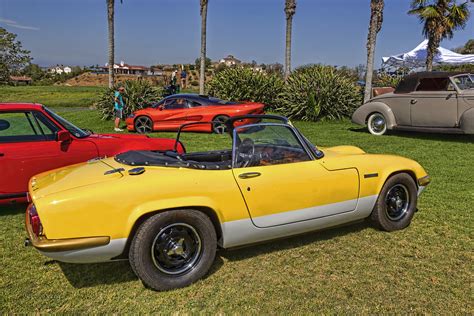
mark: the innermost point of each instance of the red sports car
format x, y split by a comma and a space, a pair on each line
34, 139
173, 111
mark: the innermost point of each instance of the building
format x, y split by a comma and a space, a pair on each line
229, 61
126, 69
19, 80
60, 69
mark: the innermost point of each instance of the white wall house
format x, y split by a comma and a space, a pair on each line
229, 61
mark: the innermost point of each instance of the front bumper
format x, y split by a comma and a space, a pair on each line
422, 183
56, 245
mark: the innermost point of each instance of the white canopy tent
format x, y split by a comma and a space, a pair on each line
417, 57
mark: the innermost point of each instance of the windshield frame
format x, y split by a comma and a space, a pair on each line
71, 128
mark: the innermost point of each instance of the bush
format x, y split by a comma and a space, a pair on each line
138, 94
315, 92
244, 84
386, 80
195, 83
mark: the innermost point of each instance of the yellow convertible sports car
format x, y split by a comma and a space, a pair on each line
168, 212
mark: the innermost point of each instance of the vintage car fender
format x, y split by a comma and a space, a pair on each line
361, 115
466, 122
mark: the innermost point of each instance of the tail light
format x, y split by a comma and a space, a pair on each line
35, 221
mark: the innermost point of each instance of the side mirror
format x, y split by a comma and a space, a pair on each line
63, 136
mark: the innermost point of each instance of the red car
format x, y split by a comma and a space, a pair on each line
34, 139
173, 111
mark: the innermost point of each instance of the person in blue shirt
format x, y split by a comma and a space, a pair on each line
118, 108
183, 78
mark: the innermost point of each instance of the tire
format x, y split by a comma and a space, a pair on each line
396, 203
173, 249
377, 124
219, 128
143, 125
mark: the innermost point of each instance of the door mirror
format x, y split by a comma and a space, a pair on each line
63, 136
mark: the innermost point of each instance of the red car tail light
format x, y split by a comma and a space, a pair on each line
35, 221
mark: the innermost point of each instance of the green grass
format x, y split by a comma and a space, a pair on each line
426, 268
51, 96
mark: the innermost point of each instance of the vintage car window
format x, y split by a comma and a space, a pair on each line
47, 128
433, 84
464, 82
267, 144
21, 127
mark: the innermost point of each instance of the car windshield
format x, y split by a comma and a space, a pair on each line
464, 82
74, 130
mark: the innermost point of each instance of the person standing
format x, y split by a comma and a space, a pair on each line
183, 78
118, 108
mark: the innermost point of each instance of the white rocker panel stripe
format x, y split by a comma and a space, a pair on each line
89, 255
242, 232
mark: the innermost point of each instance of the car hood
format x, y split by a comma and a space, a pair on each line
74, 176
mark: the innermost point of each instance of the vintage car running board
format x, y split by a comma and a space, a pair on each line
441, 130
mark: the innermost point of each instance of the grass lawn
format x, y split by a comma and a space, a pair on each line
52, 96
426, 268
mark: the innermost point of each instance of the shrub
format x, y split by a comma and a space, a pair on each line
244, 84
315, 92
138, 94
386, 80
195, 83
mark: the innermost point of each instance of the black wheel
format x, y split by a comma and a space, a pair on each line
377, 124
173, 249
396, 203
143, 124
219, 126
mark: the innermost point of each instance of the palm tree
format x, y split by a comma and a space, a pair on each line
441, 18
202, 76
110, 20
290, 9
376, 19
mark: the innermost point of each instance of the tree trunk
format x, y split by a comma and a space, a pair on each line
289, 25
433, 44
110, 19
202, 76
376, 18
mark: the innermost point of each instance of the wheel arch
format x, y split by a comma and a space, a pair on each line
361, 115
467, 121
208, 211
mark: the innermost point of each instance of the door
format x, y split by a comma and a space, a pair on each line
171, 114
282, 184
28, 146
434, 104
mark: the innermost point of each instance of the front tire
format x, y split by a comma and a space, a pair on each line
143, 125
377, 124
173, 249
396, 203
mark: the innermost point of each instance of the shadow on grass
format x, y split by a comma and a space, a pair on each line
457, 138
246, 252
89, 275
13, 209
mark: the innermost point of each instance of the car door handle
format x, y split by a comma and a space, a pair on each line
249, 175
413, 101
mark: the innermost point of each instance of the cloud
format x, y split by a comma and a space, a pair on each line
12, 23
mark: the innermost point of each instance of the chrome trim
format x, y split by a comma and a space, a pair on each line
424, 181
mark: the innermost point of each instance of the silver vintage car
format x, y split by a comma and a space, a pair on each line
441, 102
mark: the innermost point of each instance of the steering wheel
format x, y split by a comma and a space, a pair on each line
246, 152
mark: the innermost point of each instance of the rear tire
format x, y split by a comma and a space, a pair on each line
396, 203
173, 249
219, 127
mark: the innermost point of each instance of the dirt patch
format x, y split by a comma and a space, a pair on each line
92, 79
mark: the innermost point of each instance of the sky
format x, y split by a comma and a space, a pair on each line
149, 32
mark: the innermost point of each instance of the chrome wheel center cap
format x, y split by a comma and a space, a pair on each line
176, 248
